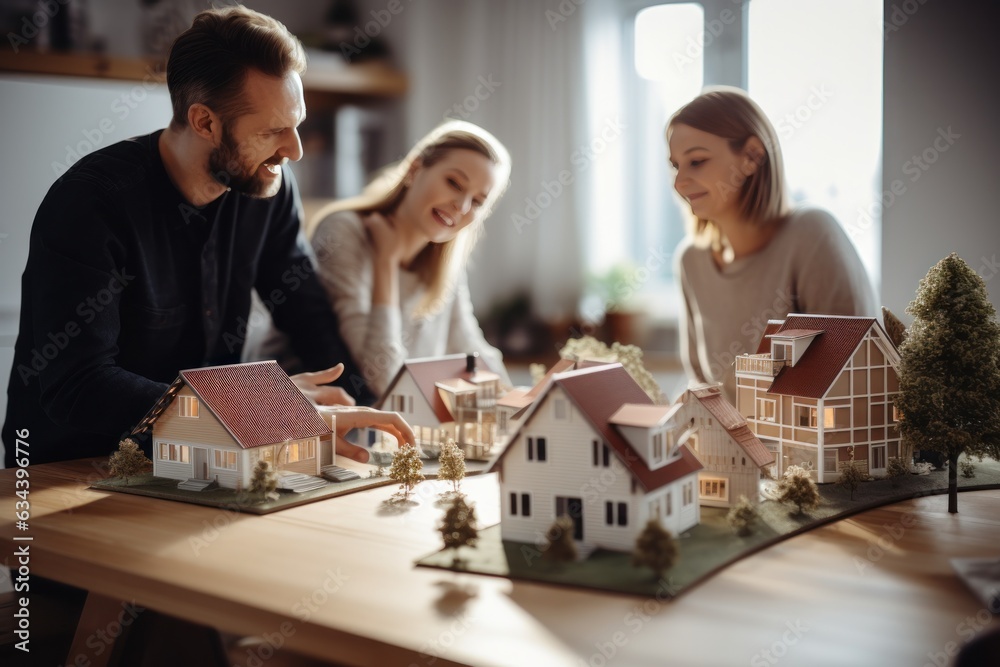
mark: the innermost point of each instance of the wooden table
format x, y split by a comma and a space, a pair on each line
336, 579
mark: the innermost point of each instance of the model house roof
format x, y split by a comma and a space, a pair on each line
428, 372
257, 403
520, 399
734, 423
764, 345
643, 416
794, 333
598, 393
819, 367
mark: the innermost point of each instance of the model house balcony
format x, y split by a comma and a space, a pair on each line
759, 364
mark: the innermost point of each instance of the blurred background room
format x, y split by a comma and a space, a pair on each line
885, 110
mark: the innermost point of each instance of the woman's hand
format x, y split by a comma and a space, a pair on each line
385, 240
314, 386
362, 417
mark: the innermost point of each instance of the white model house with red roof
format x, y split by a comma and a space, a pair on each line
593, 446
214, 424
445, 397
731, 454
819, 388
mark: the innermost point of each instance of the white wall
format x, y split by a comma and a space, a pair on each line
940, 73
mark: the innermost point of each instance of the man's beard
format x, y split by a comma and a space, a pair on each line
228, 168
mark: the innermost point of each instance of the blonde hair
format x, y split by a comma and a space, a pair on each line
729, 113
438, 264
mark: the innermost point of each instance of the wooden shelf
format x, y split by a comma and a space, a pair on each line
325, 85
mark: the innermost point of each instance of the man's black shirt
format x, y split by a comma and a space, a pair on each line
126, 284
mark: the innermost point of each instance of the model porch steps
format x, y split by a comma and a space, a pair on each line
338, 474
197, 484
297, 482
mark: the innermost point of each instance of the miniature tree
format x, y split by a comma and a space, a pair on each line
405, 469
893, 327
630, 357
968, 469
559, 539
655, 548
852, 475
949, 371
798, 488
743, 516
264, 481
452, 460
458, 527
897, 468
128, 461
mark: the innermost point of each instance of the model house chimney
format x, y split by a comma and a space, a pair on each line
470, 362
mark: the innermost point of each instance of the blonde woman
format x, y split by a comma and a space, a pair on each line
748, 257
393, 260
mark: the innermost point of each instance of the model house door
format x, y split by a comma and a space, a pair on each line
573, 508
200, 463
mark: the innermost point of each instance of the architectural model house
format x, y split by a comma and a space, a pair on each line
818, 386
453, 396
731, 454
214, 424
594, 447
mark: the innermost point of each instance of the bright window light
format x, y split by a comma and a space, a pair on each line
816, 70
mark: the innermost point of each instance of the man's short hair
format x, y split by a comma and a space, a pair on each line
208, 62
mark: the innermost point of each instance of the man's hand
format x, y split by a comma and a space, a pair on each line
360, 417
312, 385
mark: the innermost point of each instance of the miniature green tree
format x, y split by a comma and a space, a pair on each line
968, 469
405, 469
559, 539
264, 481
897, 468
798, 488
630, 357
452, 468
655, 548
852, 475
458, 527
128, 461
893, 327
949, 372
742, 516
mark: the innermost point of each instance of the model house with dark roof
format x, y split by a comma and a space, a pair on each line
822, 387
720, 437
453, 396
594, 447
214, 425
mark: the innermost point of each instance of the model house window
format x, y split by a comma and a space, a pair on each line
595, 448
187, 406
525, 504
670, 503
503, 422
537, 449
622, 514
658, 447
714, 488
609, 513
805, 416
300, 451
782, 352
766, 409
606, 456
175, 453
559, 407
225, 460
513, 504
878, 456
400, 403
895, 413
830, 460
688, 493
